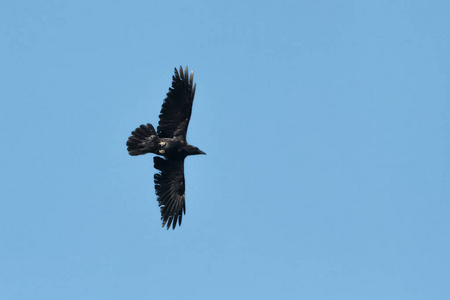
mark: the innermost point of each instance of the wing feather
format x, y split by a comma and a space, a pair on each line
177, 107
169, 186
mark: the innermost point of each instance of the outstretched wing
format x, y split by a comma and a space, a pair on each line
177, 107
169, 185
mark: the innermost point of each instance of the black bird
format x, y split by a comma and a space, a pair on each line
169, 141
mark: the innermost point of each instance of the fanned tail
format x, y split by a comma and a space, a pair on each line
143, 140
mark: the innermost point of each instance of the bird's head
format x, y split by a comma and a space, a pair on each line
194, 151
198, 151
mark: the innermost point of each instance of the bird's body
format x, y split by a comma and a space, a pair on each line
173, 148
170, 142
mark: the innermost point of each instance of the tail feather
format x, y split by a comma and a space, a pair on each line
143, 140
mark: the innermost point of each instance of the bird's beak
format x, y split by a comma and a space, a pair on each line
201, 152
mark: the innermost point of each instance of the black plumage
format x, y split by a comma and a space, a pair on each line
169, 141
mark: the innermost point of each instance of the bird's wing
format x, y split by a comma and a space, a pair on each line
169, 185
177, 107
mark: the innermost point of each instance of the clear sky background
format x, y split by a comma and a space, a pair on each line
327, 129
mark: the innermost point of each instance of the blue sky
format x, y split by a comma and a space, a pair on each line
327, 129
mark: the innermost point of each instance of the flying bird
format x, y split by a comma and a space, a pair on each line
169, 141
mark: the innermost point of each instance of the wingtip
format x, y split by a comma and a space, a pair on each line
172, 221
184, 74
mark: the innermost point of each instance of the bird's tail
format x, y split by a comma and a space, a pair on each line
143, 140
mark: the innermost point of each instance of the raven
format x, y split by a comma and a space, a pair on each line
170, 142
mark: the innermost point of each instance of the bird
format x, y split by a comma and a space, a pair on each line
169, 143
